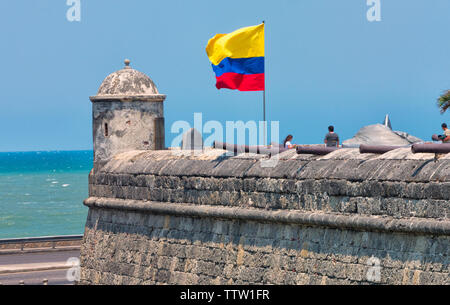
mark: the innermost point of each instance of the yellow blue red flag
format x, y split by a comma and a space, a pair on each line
238, 58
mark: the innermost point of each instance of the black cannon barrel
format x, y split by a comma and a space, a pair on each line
239, 149
315, 150
232, 147
443, 148
376, 149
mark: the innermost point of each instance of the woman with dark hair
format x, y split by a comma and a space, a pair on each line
287, 142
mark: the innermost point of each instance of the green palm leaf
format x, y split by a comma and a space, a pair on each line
444, 101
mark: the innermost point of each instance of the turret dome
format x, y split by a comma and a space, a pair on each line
127, 83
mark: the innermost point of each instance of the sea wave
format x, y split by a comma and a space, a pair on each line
35, 202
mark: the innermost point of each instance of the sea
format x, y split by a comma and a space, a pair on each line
42, 193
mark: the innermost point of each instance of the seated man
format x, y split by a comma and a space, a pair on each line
446, 137
331, 138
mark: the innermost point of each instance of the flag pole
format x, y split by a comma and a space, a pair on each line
264, 92
264, 109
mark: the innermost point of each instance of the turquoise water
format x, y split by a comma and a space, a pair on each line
42, 193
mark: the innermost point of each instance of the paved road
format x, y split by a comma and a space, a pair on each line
33, 258
54, 277
33, 268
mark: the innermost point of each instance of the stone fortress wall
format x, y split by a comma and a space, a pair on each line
171, 217
176, 217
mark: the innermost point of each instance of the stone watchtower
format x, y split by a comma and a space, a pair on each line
127, 115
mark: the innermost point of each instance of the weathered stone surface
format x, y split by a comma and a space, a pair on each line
119, 126
356, 222
401, 166
299, 255
398, 199
165, 217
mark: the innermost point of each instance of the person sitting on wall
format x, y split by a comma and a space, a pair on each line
287, 142
445, 138
331, 138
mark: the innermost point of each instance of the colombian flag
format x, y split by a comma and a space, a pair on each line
238, 58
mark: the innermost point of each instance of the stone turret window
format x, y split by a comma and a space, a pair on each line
106, 130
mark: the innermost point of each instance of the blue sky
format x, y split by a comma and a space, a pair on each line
325, 64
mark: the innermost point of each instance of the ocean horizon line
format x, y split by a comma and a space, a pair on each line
47, 151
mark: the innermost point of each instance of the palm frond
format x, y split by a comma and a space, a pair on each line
444, 101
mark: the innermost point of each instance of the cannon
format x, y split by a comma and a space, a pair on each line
259, 149
315, 150
443, 148
376, 149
